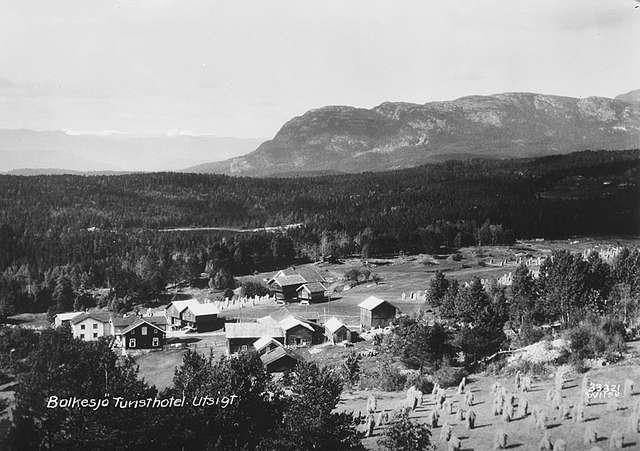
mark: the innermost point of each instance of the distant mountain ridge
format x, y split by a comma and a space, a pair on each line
631, 96
55, 151
336, 139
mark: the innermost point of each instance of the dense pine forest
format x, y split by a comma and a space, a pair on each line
61, 236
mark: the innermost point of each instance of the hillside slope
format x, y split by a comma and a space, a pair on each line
399, 135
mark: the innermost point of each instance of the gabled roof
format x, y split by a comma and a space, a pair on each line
139, 323
372, 302
291, 321
333, 324
251, 330
313, 287
263, 342
182, 305
203, 309
278, 353
125, 321
293, 276
196, 307
284, 281
102, 317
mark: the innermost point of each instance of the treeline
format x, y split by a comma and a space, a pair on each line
596, 303
89, 232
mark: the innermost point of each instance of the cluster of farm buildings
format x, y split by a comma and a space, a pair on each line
274, 337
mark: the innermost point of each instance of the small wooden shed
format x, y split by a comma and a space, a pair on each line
376, 312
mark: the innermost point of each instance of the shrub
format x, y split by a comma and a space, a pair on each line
530, 368
419, 381
590, 340
385, 377
251, 288
352, 368
529, 335
449, 376
404, 435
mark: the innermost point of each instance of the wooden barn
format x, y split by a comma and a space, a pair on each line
286, 283
142, 335
336, 331
202, 317
376, 312
174, 311
193, 314
297, 332
312, 292
241, 336
279, 360
266, 344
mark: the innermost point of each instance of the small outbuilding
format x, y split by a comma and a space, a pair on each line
285, 284
297, 332
312, 292
264, 345
376, 312
336, 331
202, 317
174, 311
279, 360
241, 336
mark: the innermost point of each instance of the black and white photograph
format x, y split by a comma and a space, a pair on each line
295, 225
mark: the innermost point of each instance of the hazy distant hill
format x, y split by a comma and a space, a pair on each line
60, 171
112, 152
398, 135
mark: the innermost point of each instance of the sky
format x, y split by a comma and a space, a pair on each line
242, 68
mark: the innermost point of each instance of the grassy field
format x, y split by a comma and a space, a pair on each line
521, 432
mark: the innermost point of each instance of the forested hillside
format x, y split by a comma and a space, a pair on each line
62, 235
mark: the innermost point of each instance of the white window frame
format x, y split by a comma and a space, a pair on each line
243, 348
132, 342
155, 341
143, 330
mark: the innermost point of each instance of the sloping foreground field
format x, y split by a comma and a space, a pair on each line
522, 433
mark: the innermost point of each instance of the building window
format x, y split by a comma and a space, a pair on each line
95, 325
81, 326
132, 343
95, 335
243, 348
81, 336
144, 330
155, 341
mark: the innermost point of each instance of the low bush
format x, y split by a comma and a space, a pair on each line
405, 435
419, 381
449, 376
605, 339
528, 335
384, 377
